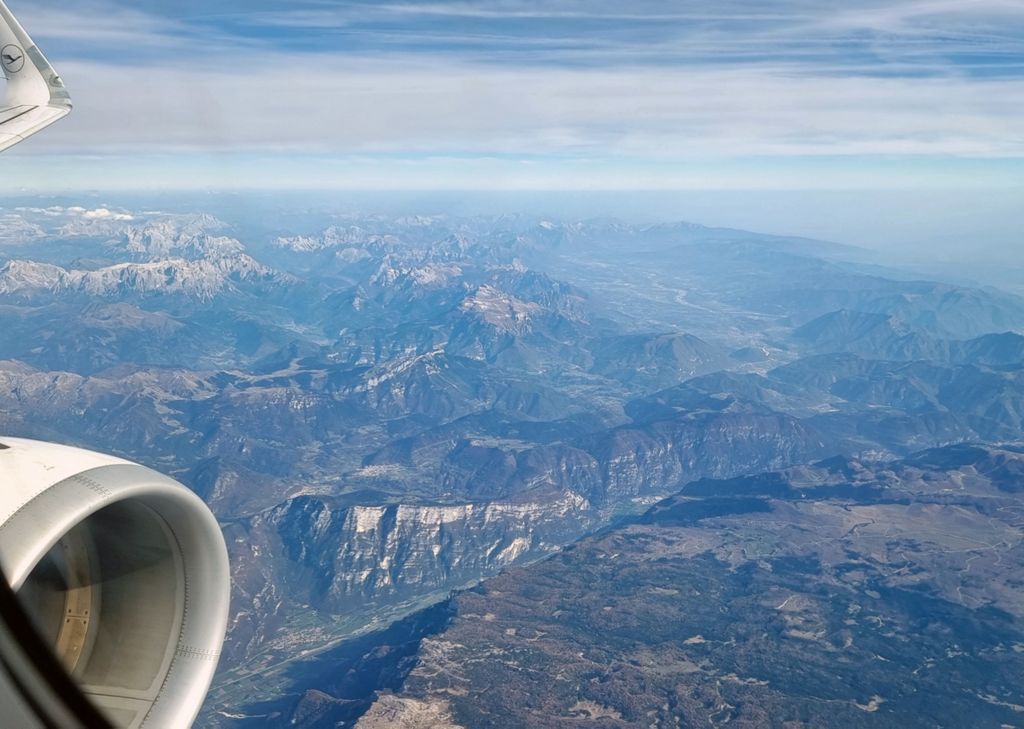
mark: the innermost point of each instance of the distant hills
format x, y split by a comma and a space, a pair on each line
886, 335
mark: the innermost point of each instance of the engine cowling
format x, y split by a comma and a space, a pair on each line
124, 571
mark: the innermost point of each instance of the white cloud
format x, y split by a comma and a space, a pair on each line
916, 16
103, 25
408, 105
104, 214
711, 82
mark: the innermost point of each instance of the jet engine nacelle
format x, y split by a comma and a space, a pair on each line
124, 573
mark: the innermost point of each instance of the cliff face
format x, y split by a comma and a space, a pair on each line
339, 558
367, 552
649, 459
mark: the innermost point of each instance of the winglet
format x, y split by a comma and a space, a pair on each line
36, 96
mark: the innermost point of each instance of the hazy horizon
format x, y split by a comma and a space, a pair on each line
942, 226
902, 117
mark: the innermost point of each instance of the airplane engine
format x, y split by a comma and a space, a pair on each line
124, 573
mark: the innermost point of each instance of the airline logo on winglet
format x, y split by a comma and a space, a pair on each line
13, 58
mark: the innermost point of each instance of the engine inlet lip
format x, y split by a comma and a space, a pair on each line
29, 533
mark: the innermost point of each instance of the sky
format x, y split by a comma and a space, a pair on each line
691, 95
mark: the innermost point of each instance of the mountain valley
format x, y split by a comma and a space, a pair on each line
391, 408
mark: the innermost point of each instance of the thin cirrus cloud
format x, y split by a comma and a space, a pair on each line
604, 84
321, 104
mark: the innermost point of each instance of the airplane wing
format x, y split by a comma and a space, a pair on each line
36, 96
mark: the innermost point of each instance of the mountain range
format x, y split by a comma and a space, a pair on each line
394, 407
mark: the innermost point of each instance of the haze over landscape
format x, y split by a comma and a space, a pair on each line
705, 406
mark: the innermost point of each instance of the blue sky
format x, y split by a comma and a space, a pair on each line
531, 94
